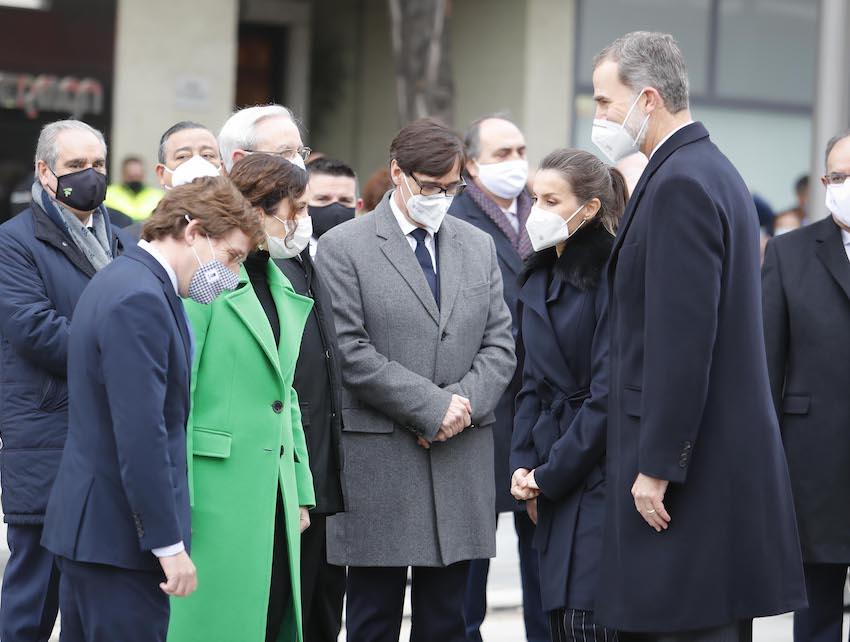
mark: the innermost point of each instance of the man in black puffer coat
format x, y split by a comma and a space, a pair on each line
48, 254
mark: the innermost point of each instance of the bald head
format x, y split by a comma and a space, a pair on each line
493, 139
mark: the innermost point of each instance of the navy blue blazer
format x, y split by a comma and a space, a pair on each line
690, 402
122, 488
559, 428
43, 275
510, 264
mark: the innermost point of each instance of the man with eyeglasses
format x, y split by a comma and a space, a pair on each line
806, 291
267, 129
427, 351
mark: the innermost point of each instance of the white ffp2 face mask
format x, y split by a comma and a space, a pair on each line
428, 211
838, 201
614, 139
281, 248
547, 229
505, 179
189, 170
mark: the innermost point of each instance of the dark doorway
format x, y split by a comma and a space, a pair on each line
260, 73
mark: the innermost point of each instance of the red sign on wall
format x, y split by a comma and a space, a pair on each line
76, 97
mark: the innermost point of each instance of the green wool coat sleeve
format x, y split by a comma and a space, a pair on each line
303, 476
199, 321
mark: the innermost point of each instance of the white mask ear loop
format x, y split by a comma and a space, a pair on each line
629, 113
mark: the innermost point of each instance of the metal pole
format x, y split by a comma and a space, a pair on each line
832, 94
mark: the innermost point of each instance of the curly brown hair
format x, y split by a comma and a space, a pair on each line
214, 202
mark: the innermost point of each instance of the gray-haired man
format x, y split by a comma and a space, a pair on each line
49, 252
700, 530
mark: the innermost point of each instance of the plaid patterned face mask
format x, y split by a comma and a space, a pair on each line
211, 279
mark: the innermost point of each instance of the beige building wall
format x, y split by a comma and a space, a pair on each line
170, 66
508, 55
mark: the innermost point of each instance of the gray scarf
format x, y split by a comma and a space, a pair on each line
95, 247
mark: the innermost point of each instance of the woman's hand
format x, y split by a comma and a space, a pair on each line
305, 519
520, 487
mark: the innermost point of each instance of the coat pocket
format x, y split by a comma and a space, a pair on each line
476, 290
211, 443
366, 421
796, 404
304, 406
632, 400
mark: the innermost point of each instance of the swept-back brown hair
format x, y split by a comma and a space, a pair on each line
426, 146
266, 180
215, 203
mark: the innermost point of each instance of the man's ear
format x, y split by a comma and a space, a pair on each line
471, 168
653, 100
359, 205
159, 170
395, 173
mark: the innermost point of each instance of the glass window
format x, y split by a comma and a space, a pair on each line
770, 149
603, 21
766, 50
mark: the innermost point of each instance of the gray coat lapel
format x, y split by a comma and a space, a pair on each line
397, 250
450, 268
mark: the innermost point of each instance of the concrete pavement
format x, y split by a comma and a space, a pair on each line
504, 620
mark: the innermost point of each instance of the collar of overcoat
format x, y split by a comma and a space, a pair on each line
831, 252
685, 136
396, 248
292, 311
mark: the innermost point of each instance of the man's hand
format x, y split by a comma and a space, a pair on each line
531, 509
305, 518
180, 576
648, 493
458, 417
520, 486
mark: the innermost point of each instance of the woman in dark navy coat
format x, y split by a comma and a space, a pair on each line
558, 449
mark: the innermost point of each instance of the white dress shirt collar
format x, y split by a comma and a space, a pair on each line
406, 226
669, 136
150, 249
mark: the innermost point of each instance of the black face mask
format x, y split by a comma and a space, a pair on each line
329, 216
134, 186
83, 190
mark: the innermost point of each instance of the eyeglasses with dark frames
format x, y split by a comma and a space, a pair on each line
433, 189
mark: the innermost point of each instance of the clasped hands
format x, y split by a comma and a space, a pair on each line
458, 418
523, 485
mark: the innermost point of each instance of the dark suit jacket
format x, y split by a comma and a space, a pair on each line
806, 290
510, 264
319, 385
559, 430
690, 403
121, 489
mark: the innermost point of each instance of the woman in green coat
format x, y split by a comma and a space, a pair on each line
249, 475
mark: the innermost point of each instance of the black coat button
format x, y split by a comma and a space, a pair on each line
277, 406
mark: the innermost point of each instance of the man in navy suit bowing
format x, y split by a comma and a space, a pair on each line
701, 534
118, 516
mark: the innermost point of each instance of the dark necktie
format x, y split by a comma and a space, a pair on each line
424, 258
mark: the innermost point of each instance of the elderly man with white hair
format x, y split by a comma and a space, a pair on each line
266, 129
49, 252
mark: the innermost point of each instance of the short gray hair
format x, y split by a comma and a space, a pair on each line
238, 131
833, 142
47, 148
472, 140
650, 59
